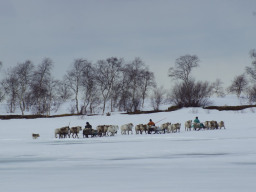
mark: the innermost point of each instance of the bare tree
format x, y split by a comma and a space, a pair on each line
188, 93
217, 88
64, 91
238, 85
133, 86
74, 78
192, 94
11, 85
116, 65
251, 71
52, 101
1, 86
148, 81
1, 92
251, 94
183, 67
116, 94
107, 71
90, 93
157, 97
17, 85
24, 75
44, 89
135, 73
124, 88
39, 87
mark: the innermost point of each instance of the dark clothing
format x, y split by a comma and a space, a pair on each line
88, 126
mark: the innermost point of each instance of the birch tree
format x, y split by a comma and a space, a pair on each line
1, 85
183, 68
107, 71
10, 84
187, 92
251, 71
90, 93
24, 74
39, 86
148, 81
74, 78
238, 85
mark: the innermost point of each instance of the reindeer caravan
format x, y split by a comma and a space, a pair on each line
65, 132
101, 130
169, 127
151, 128
111, 130
126, 129
207, 125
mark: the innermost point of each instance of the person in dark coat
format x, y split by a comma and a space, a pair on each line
87, 130
88, 126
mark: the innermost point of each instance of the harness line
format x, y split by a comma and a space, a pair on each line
161, 120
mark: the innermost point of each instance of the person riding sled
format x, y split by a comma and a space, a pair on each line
88, 126
151, 126
197, 121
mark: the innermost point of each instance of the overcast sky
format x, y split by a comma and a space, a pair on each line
220, 32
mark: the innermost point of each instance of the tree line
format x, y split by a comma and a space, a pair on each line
122, 85
188, 92
34, 88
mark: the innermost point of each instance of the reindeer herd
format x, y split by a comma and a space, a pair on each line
101, 130
207, 125
111, 130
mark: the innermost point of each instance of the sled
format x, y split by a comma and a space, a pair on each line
91, 132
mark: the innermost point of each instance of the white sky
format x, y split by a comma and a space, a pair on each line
220, 32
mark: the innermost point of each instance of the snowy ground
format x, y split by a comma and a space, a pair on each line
210, 160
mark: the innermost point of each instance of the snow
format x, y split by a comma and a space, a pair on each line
194, 161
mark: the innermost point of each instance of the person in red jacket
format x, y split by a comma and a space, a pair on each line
151, 123
151, 126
